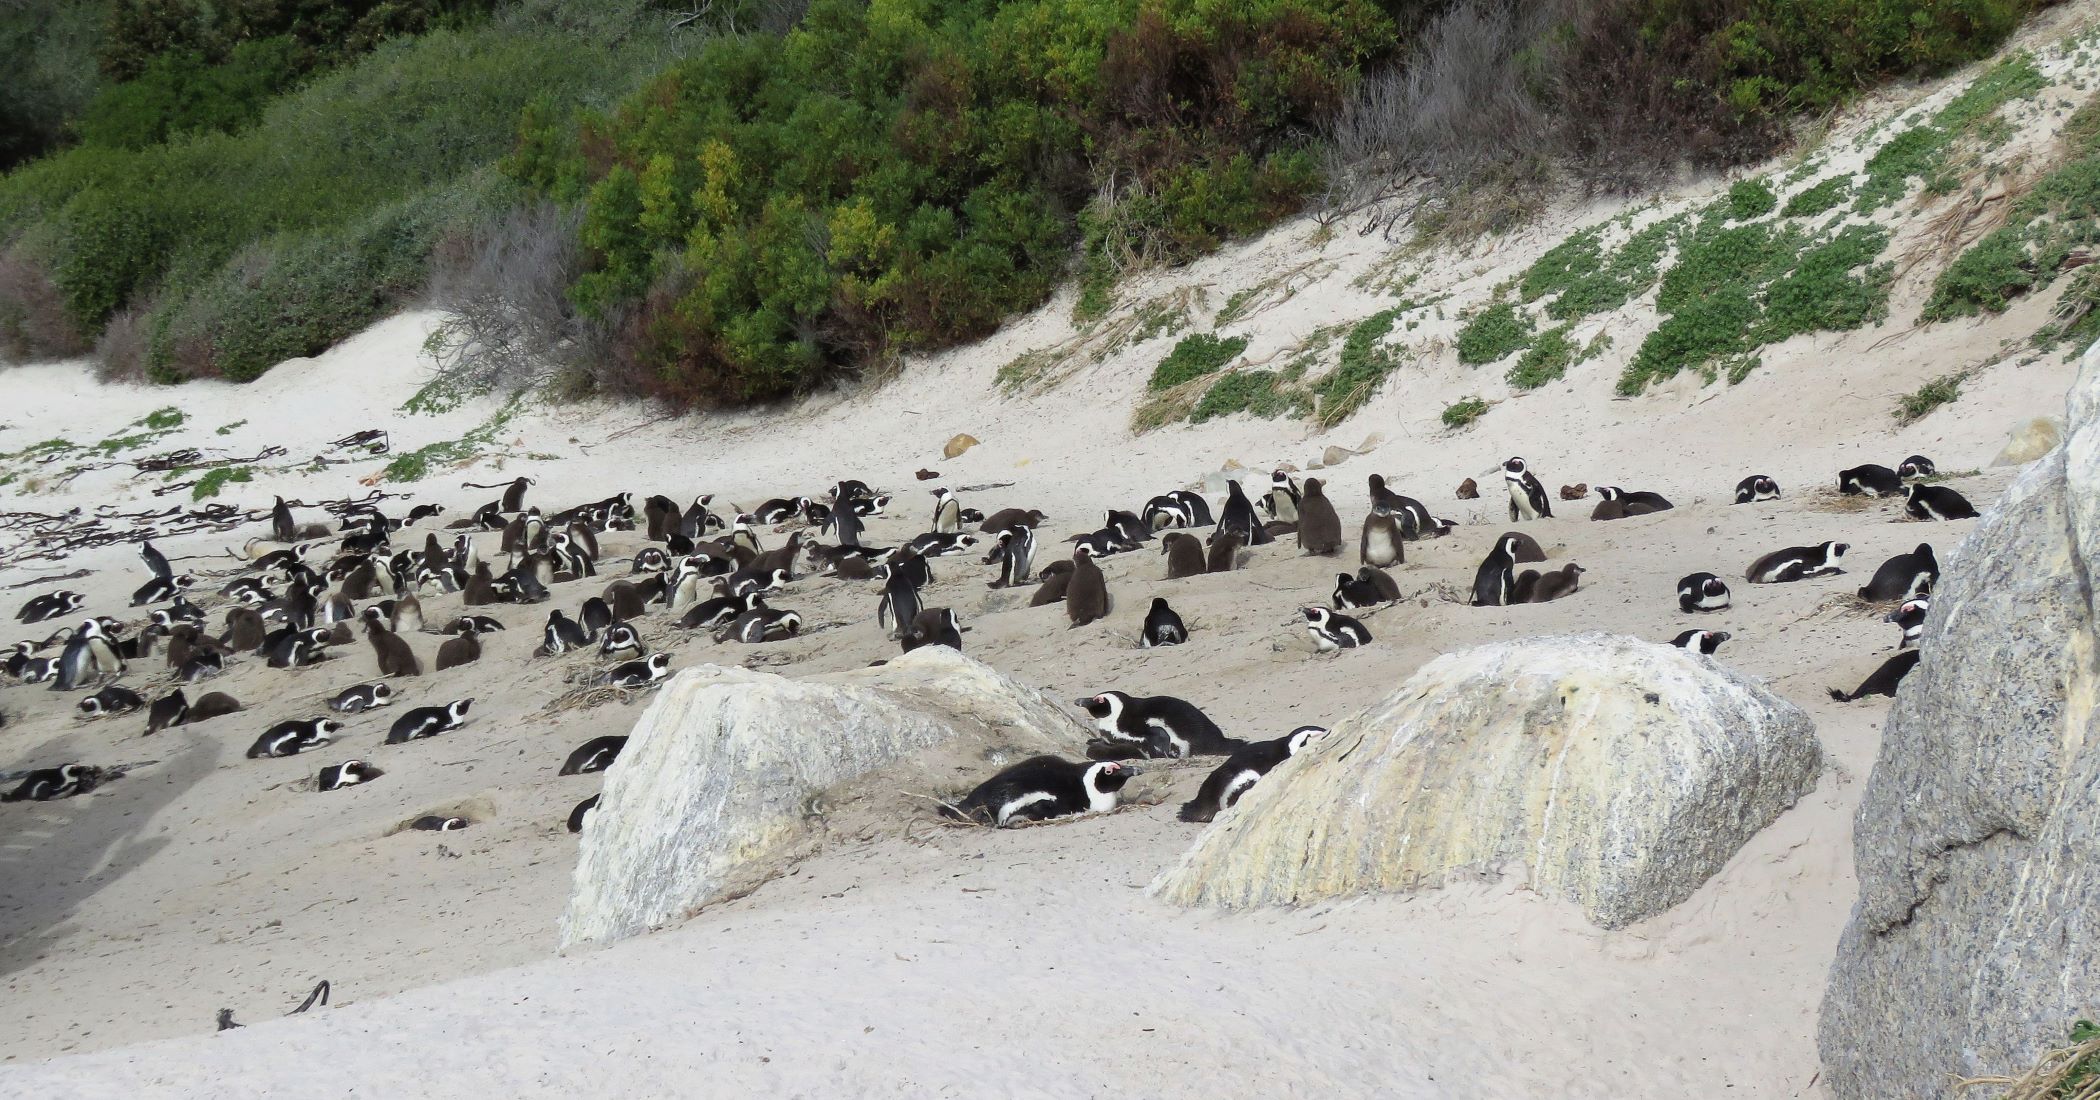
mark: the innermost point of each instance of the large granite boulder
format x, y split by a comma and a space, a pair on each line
1975, 942
1615, 773
727, 774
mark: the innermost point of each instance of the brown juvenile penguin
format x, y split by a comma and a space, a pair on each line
1552, 585
1008, 517
212, 705
462, 650
1468, 490
1608, 509
1184, 553
1319, 528
395, 657
481, 587
626, 599
408, 612
1054, 576
1381, 544
1388, 588
1086, 593
779, 557
244, 630
1225, 552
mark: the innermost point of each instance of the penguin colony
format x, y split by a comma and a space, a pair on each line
340, 605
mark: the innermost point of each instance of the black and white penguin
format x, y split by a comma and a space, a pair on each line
1702, 592
765, 624
934, 626
49, 606
434, 823
1332, 630
1195, 504
935, 544
1937, 502
349, 773
621, 639
1626, 503
563, 634
172, 709
1527, 498
1282, 499
293, 737
421, 512
1756, 487
1239, 519
1238, 774
1869, 480
47, 784
1904, 577
870, 505
719, 610
1157, 725
202, 665
634, 674
88, 653
1883, 680
1911, 618
1162, 626
1917, 466
282, 527
1797, 562
594, 755
1015, 555
947, 512
112, 700
161, 588
289, 648
777, 510
1352, 591
429, 721
1164, 512
359, 698
1495, 582
1705, 641
583, 810
156, 562
1041, 788
479, 624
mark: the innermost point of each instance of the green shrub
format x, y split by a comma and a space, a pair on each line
1464, 412
1582, 280
217, 478
1548, 358
2043, 231
1365, 361
1921, 151
1750, 198
180, 92
1493, 333
1919, 403
1193, 357
1820, 198
1262, 393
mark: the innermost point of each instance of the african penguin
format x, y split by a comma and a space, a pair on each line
1796, 563
434, 823
47, 784
1226, 552
1755, 488
1242, 770
621, 639
1319, 528
1352, 592
1904, 577
1937, 502
1162, 626
88, 653
1015, 555
1332, 630
763, 624
1382, 542
289, 738
1054, 577
349, 773
1911, 618
161, 588
1705, 641
583, 809
1041, 788
156, 562
634, 674
359, 698
947, 512
594, 755
1238, 518
1527, 498
934, 626
1917, 466
392, 652
112, 700
49, 606
429, 721
1702, 592
1494, 583
1086, 591
1184, 554
1283, 499
1552, 584
1157, 725
563, 634
169, 710
1011, 517
1869, 479
1883, 680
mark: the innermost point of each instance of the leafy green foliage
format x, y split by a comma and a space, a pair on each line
1819, 198
895, 176
1750, 198
1581, 280
163, 419
217, 478
1548, 358
1494, 333
423, 461
1921, 151
183, 93
1464, 412
1193, 357
1365, 361
1261, 392
48, 52
1736, 289
1920, 403
2043, 231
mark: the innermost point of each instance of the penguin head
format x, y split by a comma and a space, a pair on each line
1104, 707
1280, 479
659, 664
1509, 546
1514, 466
74, 600
1712, 586
1610, 492
1317, 616
1302, 735
91, 706
1833, 551
458, 709
1109, 776
325, 729
89, 629
382, 693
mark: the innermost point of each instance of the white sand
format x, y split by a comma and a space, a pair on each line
909, 960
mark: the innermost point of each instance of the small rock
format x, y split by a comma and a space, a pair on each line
2030, 440
1575, 492
927, 475
1335, 456
1467, 490
958, 445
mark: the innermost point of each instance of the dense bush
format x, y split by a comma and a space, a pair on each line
47, 51
905, 174
2047, 229
1193, 357
181, 92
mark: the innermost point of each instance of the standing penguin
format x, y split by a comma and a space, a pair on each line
845, 525
1319, 529
1239, 519
947, 512
1527, 498
156, 562
1184, 554
1381, 544
1282, 501
1162, 626
1494, 583
282, 529
1086, 593
88, 653
1015, 555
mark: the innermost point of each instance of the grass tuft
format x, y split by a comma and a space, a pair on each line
1193, 357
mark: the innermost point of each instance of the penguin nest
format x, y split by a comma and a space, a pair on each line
1850, 606
2066, 1073
590, 695
1830, 500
